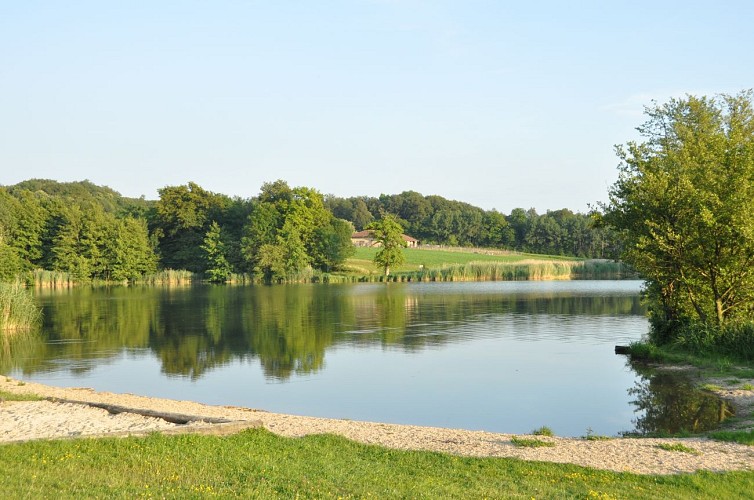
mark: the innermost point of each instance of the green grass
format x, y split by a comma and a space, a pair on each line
531, 443
481, 265
747, 387
11, 396
543, 431
710, 387
436, 258
677, 447
710, 364
591, 436
742, 437
258, 464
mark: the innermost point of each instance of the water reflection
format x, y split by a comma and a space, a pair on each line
669, 402
455, 355
289, 329
18, 347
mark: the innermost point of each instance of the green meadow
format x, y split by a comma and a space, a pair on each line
258, 464
423, 264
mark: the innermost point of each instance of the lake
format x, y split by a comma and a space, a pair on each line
497, 356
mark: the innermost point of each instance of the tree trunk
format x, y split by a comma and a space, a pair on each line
719, 310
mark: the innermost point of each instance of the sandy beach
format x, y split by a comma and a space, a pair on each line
80, 412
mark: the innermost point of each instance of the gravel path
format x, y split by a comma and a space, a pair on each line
20, 421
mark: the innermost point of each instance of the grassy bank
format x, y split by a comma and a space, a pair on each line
731, 356
258, 464
482, 265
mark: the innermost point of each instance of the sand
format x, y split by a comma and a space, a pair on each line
59, 417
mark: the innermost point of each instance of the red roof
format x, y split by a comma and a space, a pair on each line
367, 233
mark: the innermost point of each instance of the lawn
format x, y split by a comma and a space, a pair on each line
432, 258
258, 464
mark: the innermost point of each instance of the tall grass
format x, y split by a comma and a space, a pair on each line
167, 277
735, 340
522, 270
42, 278
17, 309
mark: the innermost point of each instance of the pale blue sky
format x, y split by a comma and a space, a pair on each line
498, 104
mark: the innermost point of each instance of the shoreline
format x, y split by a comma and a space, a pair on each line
69, 413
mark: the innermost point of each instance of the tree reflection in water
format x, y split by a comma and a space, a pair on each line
670, 403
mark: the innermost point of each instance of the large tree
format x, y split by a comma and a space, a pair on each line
684, 201
389, 233
182, 217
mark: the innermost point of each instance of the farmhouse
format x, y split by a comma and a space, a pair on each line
366, 239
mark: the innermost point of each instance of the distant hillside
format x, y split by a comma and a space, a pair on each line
83, 191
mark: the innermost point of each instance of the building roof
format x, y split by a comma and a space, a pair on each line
367, 233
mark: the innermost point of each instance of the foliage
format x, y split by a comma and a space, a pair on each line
259, 464
332, 245
389, 233
679, 447
289, 230
742, 437
531, 443
79, 232
18, 311
591, 436
181, 220
543, 431
12, 396
217, 266
684, 202
436, 220
734, 340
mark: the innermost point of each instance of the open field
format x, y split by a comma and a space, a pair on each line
457, 264
437, 257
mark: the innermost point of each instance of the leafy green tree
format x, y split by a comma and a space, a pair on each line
182, 217
389, 233
333, 244
281, 236
10, 264
217, 266
127, 250
361, 215
271, 262
295, 256
684, 202
496, 231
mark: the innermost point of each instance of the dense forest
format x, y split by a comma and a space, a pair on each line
93, 233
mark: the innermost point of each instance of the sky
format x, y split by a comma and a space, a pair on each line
498, 104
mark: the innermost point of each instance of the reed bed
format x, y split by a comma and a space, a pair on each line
18, 311
167, 277
526, 270
42, 278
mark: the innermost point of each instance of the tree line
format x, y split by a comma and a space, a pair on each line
283, 233
436, 220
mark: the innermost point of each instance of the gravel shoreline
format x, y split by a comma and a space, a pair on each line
58, 417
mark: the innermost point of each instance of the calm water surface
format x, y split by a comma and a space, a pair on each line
498, 356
